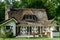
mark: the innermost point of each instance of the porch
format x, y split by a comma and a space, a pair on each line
29, 31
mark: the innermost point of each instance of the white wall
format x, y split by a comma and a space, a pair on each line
51, 29
54, 33
2, 31
13, 24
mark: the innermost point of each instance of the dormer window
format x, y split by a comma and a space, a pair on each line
29, 18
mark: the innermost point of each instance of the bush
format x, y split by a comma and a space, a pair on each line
2, 35
9, 34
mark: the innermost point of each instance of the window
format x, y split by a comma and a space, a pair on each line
34, 17
57, 28
8, 27
29, 18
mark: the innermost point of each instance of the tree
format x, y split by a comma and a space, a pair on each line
58, 10
58, 15
16, 4
2, 11
58, 20
23, 3
36, 4
51, 10
56, 2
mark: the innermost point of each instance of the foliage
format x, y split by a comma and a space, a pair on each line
9, 34
58, 10
58, 20
15, 4
58, 15
6, 34
2, 11
51, 10
2, 35
36, 4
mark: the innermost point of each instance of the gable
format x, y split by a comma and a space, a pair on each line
8, 21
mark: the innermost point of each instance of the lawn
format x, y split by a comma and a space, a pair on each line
30, 39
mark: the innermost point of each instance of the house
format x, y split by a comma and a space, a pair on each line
27, 22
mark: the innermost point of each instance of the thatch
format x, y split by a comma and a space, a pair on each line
39, 13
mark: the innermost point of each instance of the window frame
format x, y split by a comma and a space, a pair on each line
31, 17
57, 28
10, 27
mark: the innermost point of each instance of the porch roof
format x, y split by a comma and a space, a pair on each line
33, 24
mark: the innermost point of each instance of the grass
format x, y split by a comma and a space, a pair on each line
31, 39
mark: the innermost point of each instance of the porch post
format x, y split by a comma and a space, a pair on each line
16, 30
43, 29
40, 29
29, 30
51, 34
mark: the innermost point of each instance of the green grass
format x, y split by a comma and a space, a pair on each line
30, 39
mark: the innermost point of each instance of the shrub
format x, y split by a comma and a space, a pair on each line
2, 35
9, 34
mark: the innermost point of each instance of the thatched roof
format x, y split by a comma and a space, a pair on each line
40, 14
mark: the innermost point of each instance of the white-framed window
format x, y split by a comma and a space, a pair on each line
8, 27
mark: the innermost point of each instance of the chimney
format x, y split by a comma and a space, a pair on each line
7, 9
